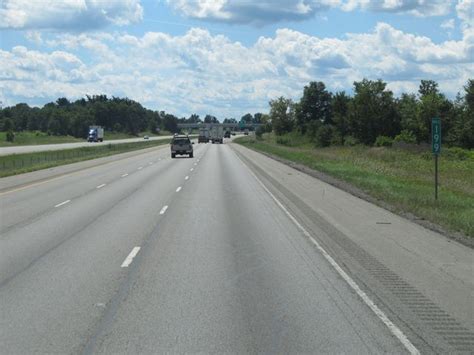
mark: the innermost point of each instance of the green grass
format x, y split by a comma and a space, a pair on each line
37, 138
21, 163
401, 178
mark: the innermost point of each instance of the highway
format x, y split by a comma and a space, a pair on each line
230, 252
47, 147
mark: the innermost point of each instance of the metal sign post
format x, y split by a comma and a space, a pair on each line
436, 147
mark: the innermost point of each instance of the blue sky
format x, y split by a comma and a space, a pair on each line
227, 57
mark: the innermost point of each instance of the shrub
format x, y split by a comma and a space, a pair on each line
10, 136
259, 132
324, 136
350, 141
457, 153
405, 136
383, 141
283, 140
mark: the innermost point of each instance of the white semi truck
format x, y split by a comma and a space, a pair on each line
96, 134
203, 135
217, 134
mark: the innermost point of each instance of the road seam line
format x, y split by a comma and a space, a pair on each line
397, 332
100, 186
62, 203
163, 210
128, 260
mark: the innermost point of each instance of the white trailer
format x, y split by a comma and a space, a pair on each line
217, 134
96, 134
203, 135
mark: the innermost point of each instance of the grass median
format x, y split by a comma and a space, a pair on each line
38, 138
21, 163
403, 179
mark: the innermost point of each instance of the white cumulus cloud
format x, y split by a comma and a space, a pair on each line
465, 11
415, 7
271, 11
68, 14
205, 73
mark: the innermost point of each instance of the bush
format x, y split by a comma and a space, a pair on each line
259, 132
10, 136
284, 140
405, 136
350, 141
383, 141
457, 153
324, 136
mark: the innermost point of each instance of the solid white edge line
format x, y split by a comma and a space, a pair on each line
100, 186
124, 175
178, 189
62, 203
186, 178
378, 312
163, 210
128, 260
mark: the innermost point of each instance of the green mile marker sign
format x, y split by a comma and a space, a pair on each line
436, 147
436, 135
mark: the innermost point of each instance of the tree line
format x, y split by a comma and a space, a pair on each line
373, 115
64, 117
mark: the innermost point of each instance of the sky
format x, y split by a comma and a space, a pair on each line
228, 57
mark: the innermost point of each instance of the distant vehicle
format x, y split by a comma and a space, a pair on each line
96, 134
233, 133
217, 134
246, 132
146, 137
227, 134
181, 145
203, 135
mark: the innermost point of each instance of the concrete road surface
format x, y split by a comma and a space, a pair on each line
44, 147
227, 252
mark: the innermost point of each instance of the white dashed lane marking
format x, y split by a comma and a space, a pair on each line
178, 189
163, 210
62, 203
128, 260
100, 186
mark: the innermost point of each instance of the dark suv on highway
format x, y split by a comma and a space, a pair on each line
181, 145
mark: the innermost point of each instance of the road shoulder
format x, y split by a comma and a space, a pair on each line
382, 250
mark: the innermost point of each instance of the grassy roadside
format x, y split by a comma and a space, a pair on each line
21, 163
401, 178
38, 138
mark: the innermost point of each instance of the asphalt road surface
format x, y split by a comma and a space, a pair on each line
46, 147
227, 252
